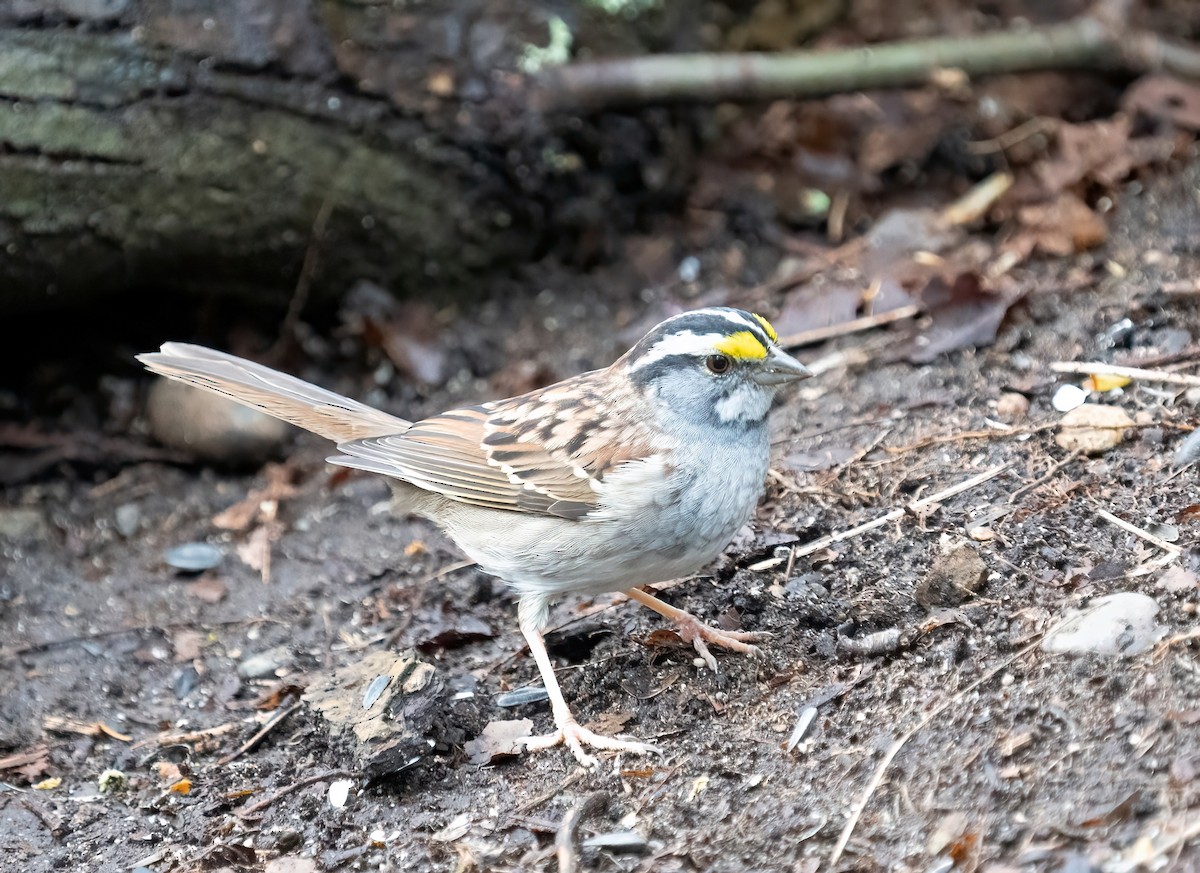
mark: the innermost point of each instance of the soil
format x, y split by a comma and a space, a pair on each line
1011, 758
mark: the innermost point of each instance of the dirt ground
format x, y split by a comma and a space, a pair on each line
942, 731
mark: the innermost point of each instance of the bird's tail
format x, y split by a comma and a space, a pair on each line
277, 394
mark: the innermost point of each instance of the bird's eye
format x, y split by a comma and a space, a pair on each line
718, 364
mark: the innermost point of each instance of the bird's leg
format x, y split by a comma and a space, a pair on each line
696, 632
531, 613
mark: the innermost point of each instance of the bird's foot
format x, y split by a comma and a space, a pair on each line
575, 737
699, 634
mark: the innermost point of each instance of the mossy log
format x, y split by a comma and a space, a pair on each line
124, 164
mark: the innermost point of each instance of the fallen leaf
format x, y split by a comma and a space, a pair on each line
260, 501
1167, 99
167, 771
1177, 579
464, 630
48, 784
207, 589
29, 765
961, 314
498, 741
1103, 382
187, 644
255, 552
1093, 428
610, 722
1063, 226
183, 786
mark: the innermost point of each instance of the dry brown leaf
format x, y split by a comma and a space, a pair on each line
1064, 226
207, 589
1093, 428
1165, 98
168, 772
961, 314
28, 765
187, 644
499, 740
255, 552
260, 503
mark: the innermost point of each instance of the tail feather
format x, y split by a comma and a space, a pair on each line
277, 394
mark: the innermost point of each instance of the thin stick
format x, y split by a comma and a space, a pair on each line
527, 807
1098, 369
881, 770
1045, 477
121, 631
564, 840
253, 809
308, 269
1082, 43
1138, 532
900, 512
820, 334
247, 746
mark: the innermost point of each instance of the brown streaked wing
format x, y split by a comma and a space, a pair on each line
526, 454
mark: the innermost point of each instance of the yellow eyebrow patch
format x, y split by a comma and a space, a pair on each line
766, 325
742, 346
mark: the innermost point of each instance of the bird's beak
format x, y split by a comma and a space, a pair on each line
780, 368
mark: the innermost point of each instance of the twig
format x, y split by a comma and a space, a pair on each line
1010, 138
255, 808
564, 840
551, 794
881, 770
138, 629
840, 536
308, 269
51, 822
820, 334
1138, 532
1098, 40
758, 76
1098, 369
1183, 637
1045, 477
926, 442
193, 736
247, 746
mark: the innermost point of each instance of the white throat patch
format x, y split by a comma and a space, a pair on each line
745, 403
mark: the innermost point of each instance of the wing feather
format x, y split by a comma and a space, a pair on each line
545, 452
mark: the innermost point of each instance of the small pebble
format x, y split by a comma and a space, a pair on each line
1119, 624
263, 665
1069, 397
128, 519
213, 427
1012, 405
194, 557
689, 269
339, 791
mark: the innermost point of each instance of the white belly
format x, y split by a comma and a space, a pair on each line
643, 533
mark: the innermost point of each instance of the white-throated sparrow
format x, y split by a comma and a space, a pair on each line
638, 473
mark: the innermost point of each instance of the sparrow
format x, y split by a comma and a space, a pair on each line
638, 473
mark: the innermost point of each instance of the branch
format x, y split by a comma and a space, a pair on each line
1098, 40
